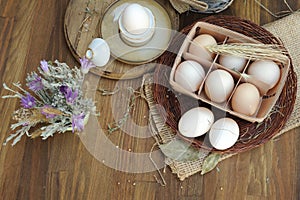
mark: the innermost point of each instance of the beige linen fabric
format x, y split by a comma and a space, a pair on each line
287, 30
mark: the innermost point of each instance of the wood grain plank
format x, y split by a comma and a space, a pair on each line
15, 57
17, 53
7, 25
8, 8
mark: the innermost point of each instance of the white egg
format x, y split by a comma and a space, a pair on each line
135, 19
189, 74
219, 85
224, 133
195, 122
233, 62
266, 71
197, 47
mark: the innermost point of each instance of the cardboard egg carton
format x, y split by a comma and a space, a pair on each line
268, 97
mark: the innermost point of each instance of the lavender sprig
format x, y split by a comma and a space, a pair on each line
86, 65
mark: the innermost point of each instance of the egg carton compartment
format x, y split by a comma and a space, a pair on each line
268, 97
267, 90
244, 77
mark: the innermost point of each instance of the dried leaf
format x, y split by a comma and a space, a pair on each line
179, 150
210, 162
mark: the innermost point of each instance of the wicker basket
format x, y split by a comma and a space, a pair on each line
214, 8
174, 104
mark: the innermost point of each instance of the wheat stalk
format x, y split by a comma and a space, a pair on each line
252, 51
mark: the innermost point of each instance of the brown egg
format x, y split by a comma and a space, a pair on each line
197, 47
245, 99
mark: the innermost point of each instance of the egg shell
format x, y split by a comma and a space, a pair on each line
265, 70
135, 19
197, 46
245, 99
233, 62
219, 85
195, 122
205, 40
189, 74
224, 133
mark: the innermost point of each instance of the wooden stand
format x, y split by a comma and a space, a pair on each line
82, 24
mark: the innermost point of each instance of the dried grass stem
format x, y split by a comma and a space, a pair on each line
252, 51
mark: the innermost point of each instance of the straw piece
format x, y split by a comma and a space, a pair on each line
279, 14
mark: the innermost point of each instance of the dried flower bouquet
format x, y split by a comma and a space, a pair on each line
53, 103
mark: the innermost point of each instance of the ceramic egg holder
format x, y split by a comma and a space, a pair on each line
137, 40
268, 97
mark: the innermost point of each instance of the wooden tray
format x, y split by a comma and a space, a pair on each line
82, 24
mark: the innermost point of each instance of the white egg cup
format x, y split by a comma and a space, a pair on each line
98, 52
137, 40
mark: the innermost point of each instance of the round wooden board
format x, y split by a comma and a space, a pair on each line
82, 25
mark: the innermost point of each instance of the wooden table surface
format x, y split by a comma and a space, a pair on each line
62, 167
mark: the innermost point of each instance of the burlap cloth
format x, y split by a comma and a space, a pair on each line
286, 29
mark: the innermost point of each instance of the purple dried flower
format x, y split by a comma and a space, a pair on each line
63, 89
44, 66
28, 101
86, 64
36, 84
47, 114
70, 95
78, 122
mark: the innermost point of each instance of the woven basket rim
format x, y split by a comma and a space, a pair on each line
252, 134
214, 10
